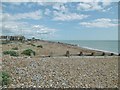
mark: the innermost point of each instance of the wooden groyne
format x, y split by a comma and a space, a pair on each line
68, 54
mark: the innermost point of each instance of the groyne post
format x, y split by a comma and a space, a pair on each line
81, 54
119, 54
92, 54
67, 53
103, 54
112, 54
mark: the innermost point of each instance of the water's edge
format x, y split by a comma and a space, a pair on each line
100, 50
76, 42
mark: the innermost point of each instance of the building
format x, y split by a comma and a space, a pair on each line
12, 38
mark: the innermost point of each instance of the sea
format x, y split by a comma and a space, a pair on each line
100, 45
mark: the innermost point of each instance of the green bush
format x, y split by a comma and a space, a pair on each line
12, 53
40, 46
28, 52
5, 78
16, 48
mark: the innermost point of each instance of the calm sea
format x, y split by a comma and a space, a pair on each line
102, 45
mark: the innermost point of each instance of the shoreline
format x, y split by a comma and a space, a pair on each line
75, 46
101, 50
84, 47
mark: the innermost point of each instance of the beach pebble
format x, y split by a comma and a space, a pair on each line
63, 72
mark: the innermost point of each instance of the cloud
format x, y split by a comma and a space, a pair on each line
47, 12
40, 29
12, 5
15, 24
17, 5
36, 15
60, 7
56, 0
91, 6
106, 2
26, 29
68, 17
13, 27
101, 23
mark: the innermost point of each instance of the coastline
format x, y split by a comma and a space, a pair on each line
68, 46
89, 48
100, 50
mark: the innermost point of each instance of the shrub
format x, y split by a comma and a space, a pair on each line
40, 46
16, 48
12, 53
5, 78
28, 52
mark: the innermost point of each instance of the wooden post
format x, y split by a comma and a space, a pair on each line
67, 54
81, 53
103, 54
112, 54
119, 54
92, 54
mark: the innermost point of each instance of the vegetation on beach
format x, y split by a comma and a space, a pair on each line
40, 46
15, 48
11, 53
5, 78
28, 52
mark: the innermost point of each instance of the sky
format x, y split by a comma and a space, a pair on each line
61, 20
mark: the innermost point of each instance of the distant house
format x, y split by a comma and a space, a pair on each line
12, 38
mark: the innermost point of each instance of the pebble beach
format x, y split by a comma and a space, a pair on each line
61, 72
